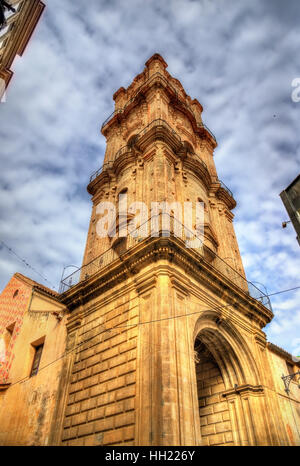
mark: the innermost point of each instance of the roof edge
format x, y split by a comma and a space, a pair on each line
36, 285
281, 352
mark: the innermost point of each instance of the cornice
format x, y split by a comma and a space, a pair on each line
243, 390
172, 249
4, 386
182, 285
42, 289
102, 179
261, 340
181, 102
224, 196
198, 169
156, 130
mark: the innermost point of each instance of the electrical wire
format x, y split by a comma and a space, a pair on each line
105, 330
26, 263
283, 291
130, 326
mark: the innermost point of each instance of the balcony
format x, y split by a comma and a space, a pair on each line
155, 77
158, 124
173, 93
174, 230
223, 185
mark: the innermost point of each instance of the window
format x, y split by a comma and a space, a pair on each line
290, 368
8, 334
36, 359
188, 146
204, 204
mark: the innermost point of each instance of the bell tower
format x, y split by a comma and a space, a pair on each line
159, 150
168, 341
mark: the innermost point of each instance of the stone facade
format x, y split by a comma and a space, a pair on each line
29, 310
164, 344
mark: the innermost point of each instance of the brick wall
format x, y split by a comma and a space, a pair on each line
213, 409
13, 304
101, 402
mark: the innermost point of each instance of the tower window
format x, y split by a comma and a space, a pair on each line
204, 203
123, 191
36, 359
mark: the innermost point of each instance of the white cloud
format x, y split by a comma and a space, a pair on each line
239, 61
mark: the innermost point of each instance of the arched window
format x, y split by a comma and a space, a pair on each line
122, 202
199, 199
131, 141
122, 218
123, 191
188, 146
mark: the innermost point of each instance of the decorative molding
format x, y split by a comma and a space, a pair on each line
183, 286
261, 340
243, 389
172, 249
145, 285
4, 386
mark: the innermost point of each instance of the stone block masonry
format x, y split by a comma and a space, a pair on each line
101, 402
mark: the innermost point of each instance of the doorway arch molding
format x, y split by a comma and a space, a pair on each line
229, 349
240, 374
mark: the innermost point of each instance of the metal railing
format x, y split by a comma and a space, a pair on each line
209, 131
139, 89
154, 77
199, 160
173, 229
99, 171
223, 185
155, 123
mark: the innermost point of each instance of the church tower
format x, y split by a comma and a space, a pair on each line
165, 342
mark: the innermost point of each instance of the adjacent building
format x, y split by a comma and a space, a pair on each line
291, 200
32, 348
150, 342
15, 35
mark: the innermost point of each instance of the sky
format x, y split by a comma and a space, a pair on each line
237, 58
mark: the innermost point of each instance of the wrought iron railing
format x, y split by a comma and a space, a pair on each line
99, 171
160, 77
199, 160
202, 125
223, 185
174, 229
139, 89
155, 123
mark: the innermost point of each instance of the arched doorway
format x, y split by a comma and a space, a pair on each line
227, 385
216, 427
